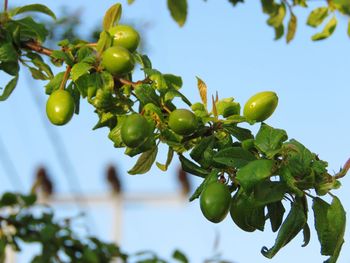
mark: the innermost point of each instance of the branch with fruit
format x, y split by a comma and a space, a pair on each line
251, 176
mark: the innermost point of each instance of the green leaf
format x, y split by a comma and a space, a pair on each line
145, 162
79, 70
33, 8
104, 42
279, 32
198, 151
276, 19
61, 55
234, 157
330, 222
178, 10
146, 94
88, 85
106, 119
291, 226
246, 213
171, 94
275, 212
173, 81
292, 26
227, 107
143, 60
38, 61
306, 234
9, 88
29, 29
238, 132
268, 192
114, 135
269, 140
164, 167
253, 173
153, 111
112, 16
269, 6
54, 83
192, 168
327, 31
287, 177
212, 177
8, 52
317, 16
179, 256
349, 28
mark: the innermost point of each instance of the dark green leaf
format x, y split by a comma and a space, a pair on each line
9, 88
197, 152
145, 162
8, 52
287, 177
212, 177
269, 140
306, 234
235, 2
143, 60
146, 94
112, 16
317, 16
238, 132
179, 256
268, 192
29, 29
279, 32
291, 226
171, 94
275, 212
235, 157
253, 173
33, 8
330, 221
191, 167
178, 10
173, 81
114, 134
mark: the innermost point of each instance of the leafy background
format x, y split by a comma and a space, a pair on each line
233, 51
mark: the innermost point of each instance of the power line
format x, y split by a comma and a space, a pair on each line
9, 167
63, 157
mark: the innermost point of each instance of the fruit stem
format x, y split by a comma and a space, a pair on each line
65, 78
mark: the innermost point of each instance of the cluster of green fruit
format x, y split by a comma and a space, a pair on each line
117, 59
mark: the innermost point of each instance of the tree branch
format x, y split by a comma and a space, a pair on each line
35, 46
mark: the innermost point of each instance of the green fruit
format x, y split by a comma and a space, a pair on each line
60, 107
183, 122
125, 36
260, 106
118, 60
215, 202
135, 130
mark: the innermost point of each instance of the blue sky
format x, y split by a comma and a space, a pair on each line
233, 51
